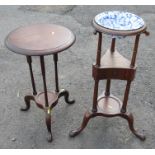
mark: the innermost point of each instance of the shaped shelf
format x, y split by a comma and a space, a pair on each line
114, 66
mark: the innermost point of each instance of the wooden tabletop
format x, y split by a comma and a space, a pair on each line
39, 39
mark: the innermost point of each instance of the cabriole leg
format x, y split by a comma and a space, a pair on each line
65, 93
130, 119
27, 100
85, 121
48, 123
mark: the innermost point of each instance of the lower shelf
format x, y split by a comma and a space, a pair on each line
109, 105
52, 98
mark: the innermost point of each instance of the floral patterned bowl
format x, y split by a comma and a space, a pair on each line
119, 20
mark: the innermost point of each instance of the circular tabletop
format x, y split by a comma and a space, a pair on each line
39, 39
119, 23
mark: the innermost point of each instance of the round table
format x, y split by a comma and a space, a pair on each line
41, 40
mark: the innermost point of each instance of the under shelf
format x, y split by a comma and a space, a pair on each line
109, 105
114, 66
114, 60
40, 98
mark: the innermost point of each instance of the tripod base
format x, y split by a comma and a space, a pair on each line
40, 102
108, 106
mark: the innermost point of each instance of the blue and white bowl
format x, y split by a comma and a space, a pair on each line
119, 20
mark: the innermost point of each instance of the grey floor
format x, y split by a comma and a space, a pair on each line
28, 130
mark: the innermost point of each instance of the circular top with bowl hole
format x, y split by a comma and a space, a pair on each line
119, 23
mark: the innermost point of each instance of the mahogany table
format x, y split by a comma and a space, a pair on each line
112, 65
41, 40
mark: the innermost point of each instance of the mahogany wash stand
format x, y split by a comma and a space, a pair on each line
112, 65
41, 40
